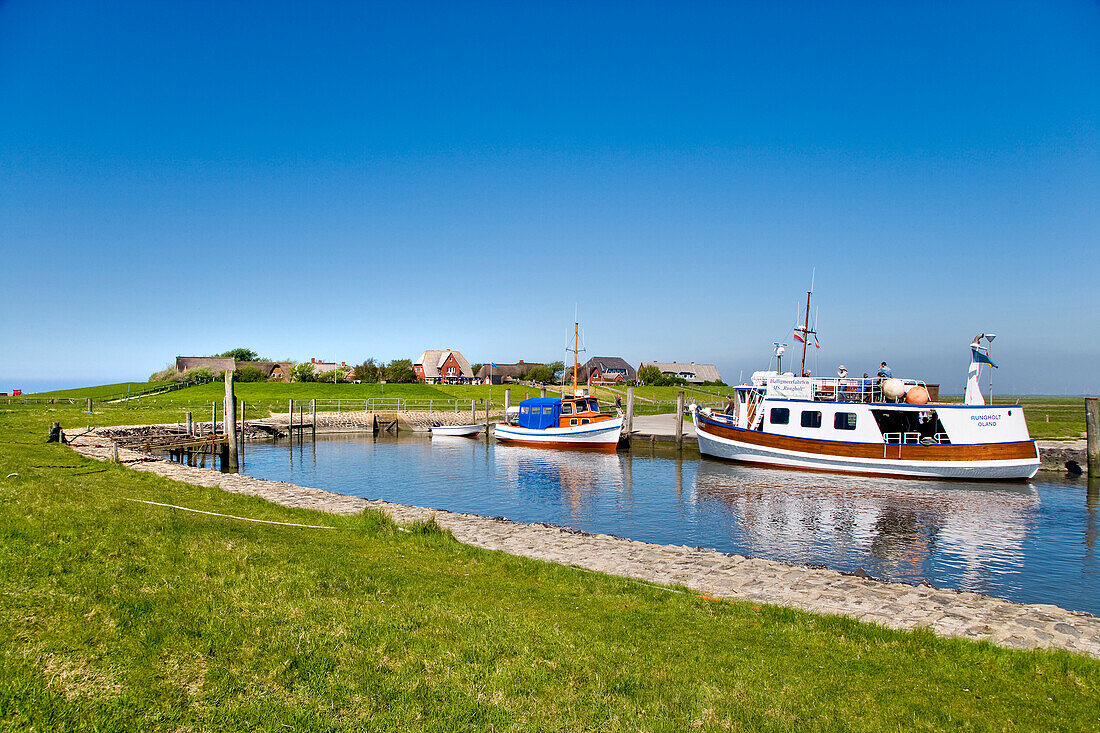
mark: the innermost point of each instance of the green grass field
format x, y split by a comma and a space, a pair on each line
97, 392
117, 615
1047, 417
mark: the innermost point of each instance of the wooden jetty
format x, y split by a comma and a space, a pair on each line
180, 446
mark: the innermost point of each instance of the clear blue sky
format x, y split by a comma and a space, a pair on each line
344, 180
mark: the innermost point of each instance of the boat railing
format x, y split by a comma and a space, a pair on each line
915, 438
854, 389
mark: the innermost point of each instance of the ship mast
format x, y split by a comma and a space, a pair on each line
805, 331
576, 346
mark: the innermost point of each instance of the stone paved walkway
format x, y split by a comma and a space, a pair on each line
896, 605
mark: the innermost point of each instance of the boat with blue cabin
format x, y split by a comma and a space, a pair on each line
565, 422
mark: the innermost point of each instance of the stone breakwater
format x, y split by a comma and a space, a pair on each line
708, 572
417, 421
1053, 454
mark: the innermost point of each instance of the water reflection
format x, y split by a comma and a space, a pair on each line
900, 525
571, 477
1092, 527
1032, 543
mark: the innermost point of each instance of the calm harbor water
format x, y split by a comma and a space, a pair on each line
1033, 543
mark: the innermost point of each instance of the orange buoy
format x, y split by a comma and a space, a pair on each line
917, 396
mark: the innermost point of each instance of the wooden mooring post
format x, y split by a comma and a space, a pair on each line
190, 425
313, 417
230, 412
680, 420
473, 412
213, 417
543, 393
507, 401
629, 410
486, 419
240, 445
1092, 433
290, 425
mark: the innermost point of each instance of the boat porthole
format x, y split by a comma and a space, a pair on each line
1010, 413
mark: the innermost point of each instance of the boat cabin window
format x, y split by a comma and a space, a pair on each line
525, 410
548, 411
567, 408
811, 419
844, 421
780, 416
592, 406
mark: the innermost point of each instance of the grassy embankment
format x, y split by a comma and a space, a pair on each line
117, 615
99, 391
1047, 417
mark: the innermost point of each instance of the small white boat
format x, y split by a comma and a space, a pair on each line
456, 430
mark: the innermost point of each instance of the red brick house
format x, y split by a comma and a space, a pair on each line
443, 366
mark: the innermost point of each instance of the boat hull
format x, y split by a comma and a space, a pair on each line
456, 430
1002, 461
603, 435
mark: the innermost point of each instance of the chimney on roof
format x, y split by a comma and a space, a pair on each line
521, 361
312, 360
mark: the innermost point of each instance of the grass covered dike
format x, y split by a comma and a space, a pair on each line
119, 615
1047, 417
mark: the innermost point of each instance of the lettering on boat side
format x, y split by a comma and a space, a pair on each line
986, 421
794, 388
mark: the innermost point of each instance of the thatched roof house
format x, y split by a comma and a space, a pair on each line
692, 372
501, 373
603, 370
443, 366
216, 364
276, 370
279, 370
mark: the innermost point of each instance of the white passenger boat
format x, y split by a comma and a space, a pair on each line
568, 422
456, 430
878, 426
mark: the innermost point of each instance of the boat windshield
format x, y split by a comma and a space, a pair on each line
593, 406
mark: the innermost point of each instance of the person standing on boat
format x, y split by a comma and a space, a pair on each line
618, 403
884, 371
842, 390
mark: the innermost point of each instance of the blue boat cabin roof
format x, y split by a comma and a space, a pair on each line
539, 413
